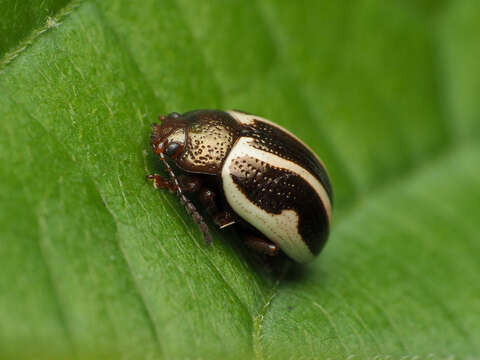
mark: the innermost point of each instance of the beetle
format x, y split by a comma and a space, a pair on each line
246, 170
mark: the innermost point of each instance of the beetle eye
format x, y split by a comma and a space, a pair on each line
172, 148
173, 115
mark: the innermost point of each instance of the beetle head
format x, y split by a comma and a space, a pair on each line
169, 137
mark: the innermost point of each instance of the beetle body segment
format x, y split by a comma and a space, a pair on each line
268, 177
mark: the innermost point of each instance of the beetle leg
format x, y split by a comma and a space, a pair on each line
160, 183
261, 245
223, 219
189, 184
193, 184
208, 199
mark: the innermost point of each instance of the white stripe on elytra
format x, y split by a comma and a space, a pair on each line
242, 148
281, 228
248, 119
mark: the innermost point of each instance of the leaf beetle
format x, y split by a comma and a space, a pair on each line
246, 170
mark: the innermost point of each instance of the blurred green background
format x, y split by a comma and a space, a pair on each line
97, 264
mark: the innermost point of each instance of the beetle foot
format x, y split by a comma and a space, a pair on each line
160, 183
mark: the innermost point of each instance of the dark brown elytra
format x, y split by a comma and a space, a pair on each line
197, 143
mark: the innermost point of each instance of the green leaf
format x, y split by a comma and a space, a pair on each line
97, 264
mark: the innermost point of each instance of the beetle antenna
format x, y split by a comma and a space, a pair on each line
191, 209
